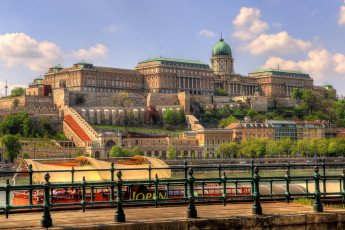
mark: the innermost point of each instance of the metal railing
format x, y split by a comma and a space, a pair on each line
188, 184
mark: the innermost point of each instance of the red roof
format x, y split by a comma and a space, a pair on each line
341, 130
307, 122
233, 125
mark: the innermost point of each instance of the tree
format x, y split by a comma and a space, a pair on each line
285, 145
193, 155
152, 115
26, 156
296, 93
122, 99
79, 99
331, 94
182, 156
137, 151
227, 109
220, 92
181, 117
229, 149
17, 91
11, 125
171, 153
224, 122
116, 151
27, 127
12, 146
126, 153
252, 113
170, 117
272, 148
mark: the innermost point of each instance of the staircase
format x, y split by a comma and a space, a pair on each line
68, 119
193, 123
77, 129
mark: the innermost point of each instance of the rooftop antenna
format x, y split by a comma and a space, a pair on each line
6, 88
221, 36
278, 65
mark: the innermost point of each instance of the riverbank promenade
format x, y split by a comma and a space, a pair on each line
277, 215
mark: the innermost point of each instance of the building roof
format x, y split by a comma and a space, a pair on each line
221, 48
172, 61
341, 130
308, 122
233, 125
83, 63
279, 72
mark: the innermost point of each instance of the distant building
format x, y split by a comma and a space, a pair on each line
309, 130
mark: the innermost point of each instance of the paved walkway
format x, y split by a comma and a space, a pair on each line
104, 218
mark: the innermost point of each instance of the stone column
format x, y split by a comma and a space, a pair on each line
113, 117
92, 116
98, 117
107, 116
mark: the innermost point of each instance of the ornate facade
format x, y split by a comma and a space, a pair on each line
166, 75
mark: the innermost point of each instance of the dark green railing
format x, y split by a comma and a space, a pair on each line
188, 185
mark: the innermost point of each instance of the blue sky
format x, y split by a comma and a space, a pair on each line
298, 35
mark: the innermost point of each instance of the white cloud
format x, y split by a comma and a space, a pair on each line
341, 20
94, 52
248, 24
280, 43
10, 87
20, 49
320, 64
206, 33
111, 28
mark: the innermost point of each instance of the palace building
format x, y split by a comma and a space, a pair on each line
167, 75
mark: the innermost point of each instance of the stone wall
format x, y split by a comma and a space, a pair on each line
38, 101
8, 102
162, 99
118, 115
106, 99
184, 101
221, 99
259, 104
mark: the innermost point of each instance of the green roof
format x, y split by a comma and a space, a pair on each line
161, 59
279, 72
83, 63
57, 67
221, 48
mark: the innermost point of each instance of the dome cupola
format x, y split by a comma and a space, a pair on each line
221, 48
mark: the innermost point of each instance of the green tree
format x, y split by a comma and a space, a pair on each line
182, 156
17, 91
272, 148
297, 93
193, 155
171, 153
12, 146
252, 113
27, 127
181, 117
170, 117
137, 151
26, 156
224, 122
331, 94
12, 124
205, 156
116, 151
126, 153
221, 92
285, 146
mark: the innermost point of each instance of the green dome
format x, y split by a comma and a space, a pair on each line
221, 48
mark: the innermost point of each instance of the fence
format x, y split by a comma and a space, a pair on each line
188, 184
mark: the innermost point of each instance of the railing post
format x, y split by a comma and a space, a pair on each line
343, 184
257, 209
287, 180
324, 173
156, 198
112, 170
30, 183
224, 179
72, 174
252, 175
119, 214
191, 211
46, 220
8, 190
317, 204
83, 196
185, 169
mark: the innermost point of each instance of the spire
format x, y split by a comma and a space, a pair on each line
6, 89
221, 36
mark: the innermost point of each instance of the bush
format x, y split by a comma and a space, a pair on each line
79, 152
26, 156
182, 156
205, 156
221, 92
193, 155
